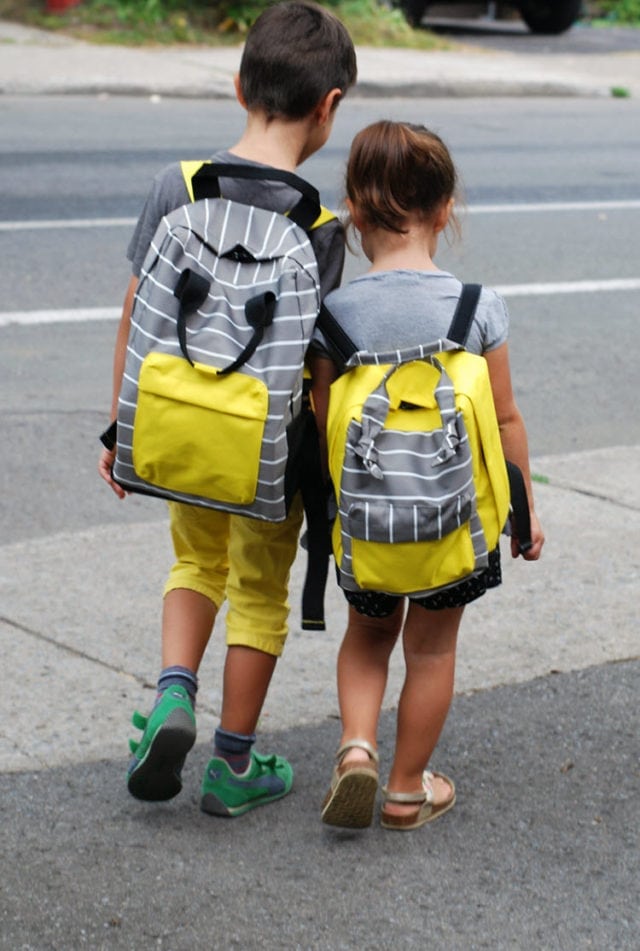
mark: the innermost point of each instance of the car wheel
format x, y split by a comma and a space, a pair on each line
547, 16
414, 10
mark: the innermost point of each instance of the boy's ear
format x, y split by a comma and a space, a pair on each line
327, 106
238, 89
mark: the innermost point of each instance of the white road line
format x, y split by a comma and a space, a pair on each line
63, 223
501, 209
33, 317
550, 206
569, 287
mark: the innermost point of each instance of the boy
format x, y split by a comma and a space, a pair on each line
297, 64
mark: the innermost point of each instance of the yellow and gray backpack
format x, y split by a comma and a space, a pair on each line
211, 397
422, 486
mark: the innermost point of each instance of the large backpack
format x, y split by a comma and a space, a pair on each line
211, 395
415, 457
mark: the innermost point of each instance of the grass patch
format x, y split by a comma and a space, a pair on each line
542, 479
619, 13
158, 22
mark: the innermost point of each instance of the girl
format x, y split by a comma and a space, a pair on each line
401, 184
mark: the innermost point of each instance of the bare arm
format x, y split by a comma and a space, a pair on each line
323, 373
513, 436
108, 455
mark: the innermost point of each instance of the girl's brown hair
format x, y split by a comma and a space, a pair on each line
396, 170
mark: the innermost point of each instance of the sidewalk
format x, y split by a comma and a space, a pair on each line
33, 62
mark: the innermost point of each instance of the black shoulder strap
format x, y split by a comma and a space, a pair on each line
340, 343
519, 506
463, 316
206, 184
343, 346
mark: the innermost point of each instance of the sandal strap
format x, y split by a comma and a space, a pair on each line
360, 745
423, 795
414, 798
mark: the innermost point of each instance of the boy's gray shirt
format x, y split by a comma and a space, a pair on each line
390, 310
168, 191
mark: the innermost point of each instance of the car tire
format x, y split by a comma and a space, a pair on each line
414, 10
547, 16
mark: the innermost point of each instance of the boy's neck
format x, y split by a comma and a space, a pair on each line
281, 144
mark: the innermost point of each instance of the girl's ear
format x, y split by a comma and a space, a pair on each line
354, 216
443, 214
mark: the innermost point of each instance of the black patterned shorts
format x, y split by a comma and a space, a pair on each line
377, 604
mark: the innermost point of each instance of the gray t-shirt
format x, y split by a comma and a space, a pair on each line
390, 310
168, 192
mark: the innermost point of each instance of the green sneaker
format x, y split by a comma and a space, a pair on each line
225, 793
169, 732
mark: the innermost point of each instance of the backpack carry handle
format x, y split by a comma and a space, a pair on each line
376, 409
192, 290
206, 184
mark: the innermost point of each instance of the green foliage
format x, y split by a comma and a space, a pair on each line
621, 12
370, 22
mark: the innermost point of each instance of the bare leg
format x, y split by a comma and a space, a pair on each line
247, 675
363, 666
429, 642
187, 622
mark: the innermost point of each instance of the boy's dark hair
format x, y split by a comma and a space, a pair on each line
397, 169
294, 55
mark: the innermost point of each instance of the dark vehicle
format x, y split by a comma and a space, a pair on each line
541, 16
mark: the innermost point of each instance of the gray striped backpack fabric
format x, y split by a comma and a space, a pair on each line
212, 389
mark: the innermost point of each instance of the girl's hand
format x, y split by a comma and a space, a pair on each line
105, 463
537, 541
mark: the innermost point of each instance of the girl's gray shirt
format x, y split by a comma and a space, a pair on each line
390, 310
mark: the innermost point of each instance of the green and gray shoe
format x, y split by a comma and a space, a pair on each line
225, 793
169, 732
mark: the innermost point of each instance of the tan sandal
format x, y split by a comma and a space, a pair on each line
426, 809
350, 801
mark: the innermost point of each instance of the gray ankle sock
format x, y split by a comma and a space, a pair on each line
233, 748
178, 676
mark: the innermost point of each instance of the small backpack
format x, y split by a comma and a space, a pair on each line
210, 404
415, 457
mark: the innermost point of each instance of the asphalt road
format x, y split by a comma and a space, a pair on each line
513, 36
549, 185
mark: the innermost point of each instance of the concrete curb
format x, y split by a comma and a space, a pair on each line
34, 62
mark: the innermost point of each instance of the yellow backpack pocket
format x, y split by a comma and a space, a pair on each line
198, 432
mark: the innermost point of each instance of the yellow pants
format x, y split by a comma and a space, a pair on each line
246, 561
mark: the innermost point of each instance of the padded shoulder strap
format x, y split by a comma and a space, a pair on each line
463, 316
323, 218
340, 343
203, 181
189, 169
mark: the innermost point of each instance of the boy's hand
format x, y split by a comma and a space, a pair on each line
537, 541
105, 464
